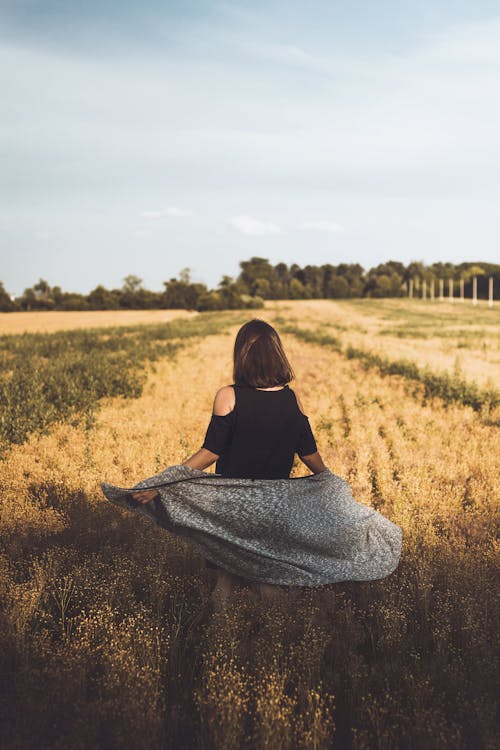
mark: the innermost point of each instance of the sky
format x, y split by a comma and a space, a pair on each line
144, 138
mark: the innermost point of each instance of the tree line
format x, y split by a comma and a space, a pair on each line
257, 281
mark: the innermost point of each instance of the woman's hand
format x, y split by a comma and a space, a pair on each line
199, 460
145, 496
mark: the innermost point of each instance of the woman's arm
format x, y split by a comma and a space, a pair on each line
199, 460
314, 462
202, 459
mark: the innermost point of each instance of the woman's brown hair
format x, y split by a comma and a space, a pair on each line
259, 360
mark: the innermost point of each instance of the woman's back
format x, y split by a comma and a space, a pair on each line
260, 436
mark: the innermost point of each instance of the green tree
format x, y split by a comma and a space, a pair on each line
385, 280
73, 301
338, 287
313, 279
253, 271
38, 297
262, 288
355, 276
209, 301
415, 269
281, 281
101, 298
472, 270
229, 296
181, 294
6, 303
298, 290
131, 284
384, 285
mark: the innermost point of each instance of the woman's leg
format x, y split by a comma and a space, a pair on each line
226, 583
224, 587
271, 593
268, 592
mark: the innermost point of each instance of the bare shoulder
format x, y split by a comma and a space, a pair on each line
299, 402
224, 400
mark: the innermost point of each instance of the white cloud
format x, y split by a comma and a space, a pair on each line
321, 226
249, 225
170, 211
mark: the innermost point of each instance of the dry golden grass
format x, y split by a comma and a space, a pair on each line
106, 639
46, 321
450, 336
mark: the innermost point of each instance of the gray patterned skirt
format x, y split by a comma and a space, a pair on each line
301, 531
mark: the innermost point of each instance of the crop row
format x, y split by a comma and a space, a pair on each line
49, 377
450, 388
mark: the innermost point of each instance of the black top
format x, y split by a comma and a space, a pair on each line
260, 436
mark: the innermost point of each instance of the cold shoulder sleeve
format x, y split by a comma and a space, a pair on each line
218, 434
306, 443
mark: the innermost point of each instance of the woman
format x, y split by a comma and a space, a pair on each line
253, 520
257, 425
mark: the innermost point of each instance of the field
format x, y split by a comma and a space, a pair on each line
48, 321
107, 635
